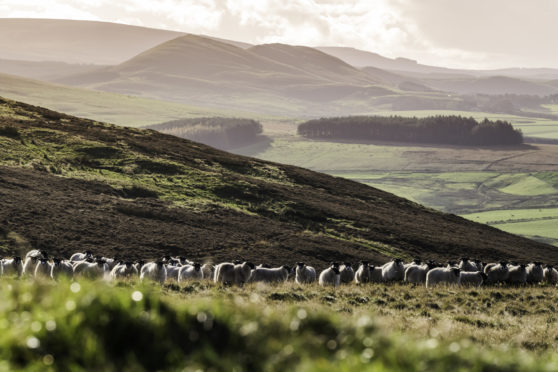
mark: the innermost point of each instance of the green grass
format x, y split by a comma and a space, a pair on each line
97, 326
512, 215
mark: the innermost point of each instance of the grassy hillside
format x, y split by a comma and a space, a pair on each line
129, 326
83, 184
103, 106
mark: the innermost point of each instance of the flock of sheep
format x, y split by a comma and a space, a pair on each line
466, 272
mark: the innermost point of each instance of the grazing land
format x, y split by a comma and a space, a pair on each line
459, 180
49, 326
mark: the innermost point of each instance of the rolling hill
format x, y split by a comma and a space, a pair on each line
71, 184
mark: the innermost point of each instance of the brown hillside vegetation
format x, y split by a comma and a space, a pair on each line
69, 184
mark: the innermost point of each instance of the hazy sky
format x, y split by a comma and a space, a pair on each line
453, 33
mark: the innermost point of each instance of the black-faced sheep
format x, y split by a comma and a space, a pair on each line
443, 275
330, 276
304, 274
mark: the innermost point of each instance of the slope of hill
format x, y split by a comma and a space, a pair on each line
205, 71
493, 85
104, 106
71, 184
45, 70
101, 43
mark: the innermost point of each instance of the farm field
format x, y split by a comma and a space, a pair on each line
48, 326
464, 181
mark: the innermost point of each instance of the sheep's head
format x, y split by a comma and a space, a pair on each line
237, 262
549, 267
160, 264
17, 259
335, 269
300, 264
523, 266
478, 262
56, 261
417, 261
44, 253
371, 267
464, 259
347, 264
335, 265
456, 271
286, 267
88, 254
197, 266
251, 265
398, 260
364, 263
503, 263
538, 263
451, 263
128, 264
483, 276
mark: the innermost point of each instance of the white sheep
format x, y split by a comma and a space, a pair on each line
230, 273
467, 266
208, 270
362, 274
304, 274
393, 271
90, 270
346, 274
173, 272
60, 268
123, 270
472, 278
442, 275
550, 275
12, 266
111, 262
415, 262
190, 272
535, 272
155, 271
417, 274
330, 276
479, 265
81, 256
376, 274
42, 269
270, 275
29, 266
496, 273
517, 274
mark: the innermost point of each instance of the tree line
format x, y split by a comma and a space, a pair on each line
223, 133
454, 130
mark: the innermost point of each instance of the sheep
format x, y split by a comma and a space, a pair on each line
173, 272
550, 275
467, 266
12, 266
208, 270
190, 272
111, 262
304, 273
496, 273
81, 256
242, 272
362, 274
376, 275
61, 268
139, 264
263, 266
480, 265
535, 272
415, 262
330, 276
347, 274
123, 270
230, 273
43, 268
472, 278
90, 270
440, 275
517, 274
393, 271
452, 265
155, 271
29, 265
273, 275
417, 274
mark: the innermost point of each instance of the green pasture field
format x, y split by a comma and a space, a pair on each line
459, 180
201, 326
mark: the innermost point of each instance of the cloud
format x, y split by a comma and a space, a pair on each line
474, 33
